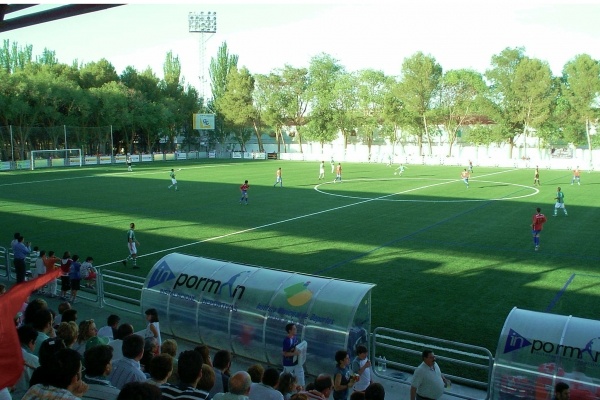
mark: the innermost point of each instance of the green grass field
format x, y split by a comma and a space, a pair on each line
448, 262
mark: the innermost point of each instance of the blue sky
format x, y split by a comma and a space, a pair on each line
360, 34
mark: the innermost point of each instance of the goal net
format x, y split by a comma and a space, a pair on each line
55, 158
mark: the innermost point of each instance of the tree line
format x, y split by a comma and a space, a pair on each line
517, 95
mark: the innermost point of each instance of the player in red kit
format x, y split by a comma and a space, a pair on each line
537, 224
244, 190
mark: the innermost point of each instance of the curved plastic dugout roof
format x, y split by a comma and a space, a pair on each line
245, 308
537, 350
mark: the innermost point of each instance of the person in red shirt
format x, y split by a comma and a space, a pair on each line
244, 190
537, 224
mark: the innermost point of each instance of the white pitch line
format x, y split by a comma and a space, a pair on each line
283, 221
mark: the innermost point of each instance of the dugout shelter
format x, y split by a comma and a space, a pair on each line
245, 309
536, 350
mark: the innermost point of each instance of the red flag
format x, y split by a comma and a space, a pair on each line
11, 357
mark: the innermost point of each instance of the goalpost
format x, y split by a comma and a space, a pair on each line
56, 158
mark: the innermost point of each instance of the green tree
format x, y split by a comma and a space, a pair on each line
421, 75
459, 95
371, 95
96, 74
581, 88
219, 70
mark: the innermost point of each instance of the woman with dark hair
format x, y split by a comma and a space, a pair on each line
153, 328
343, 379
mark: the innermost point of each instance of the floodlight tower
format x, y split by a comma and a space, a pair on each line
204, 23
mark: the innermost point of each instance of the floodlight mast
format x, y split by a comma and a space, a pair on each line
204, 23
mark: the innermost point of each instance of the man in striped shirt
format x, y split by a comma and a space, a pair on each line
189, 368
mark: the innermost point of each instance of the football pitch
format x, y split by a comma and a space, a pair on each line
448, 261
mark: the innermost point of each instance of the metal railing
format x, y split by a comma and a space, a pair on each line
462, 363
125, 288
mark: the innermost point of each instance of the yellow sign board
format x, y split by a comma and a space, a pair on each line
204, 121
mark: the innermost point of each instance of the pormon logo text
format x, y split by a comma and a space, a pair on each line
516, 341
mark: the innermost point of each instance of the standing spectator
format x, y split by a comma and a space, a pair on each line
64, 380
40, 267
278, 178
265, 390
128, 368
343, 379
221, 365
132, 244
20, 251
89, 273
27, 337
338, 173
239, 387
244, 190
153, 327
75, 277
65, 268
428, 381
110, 329
50, 262
537, 224
560, 202
375, 391
97, 368
361, 365
291, 353
190, 373
576, 176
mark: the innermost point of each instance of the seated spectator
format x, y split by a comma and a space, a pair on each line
323, 387
287, 385
140, 391
27, 337
62, 307
96, 341
151, 349
356, 395
97, 368
48, 348
32, 307
266, 389
68, 332
160, 369
169, 346
69, 315
123, 331
87, 330
256, 372
299, 396
110, 329
190, 373
205, 353
207, 381
42, 322
221, 365
50, 261
128, 369
375, 391
239, 387
64, 379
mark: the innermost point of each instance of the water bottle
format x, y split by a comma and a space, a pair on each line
384, 364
